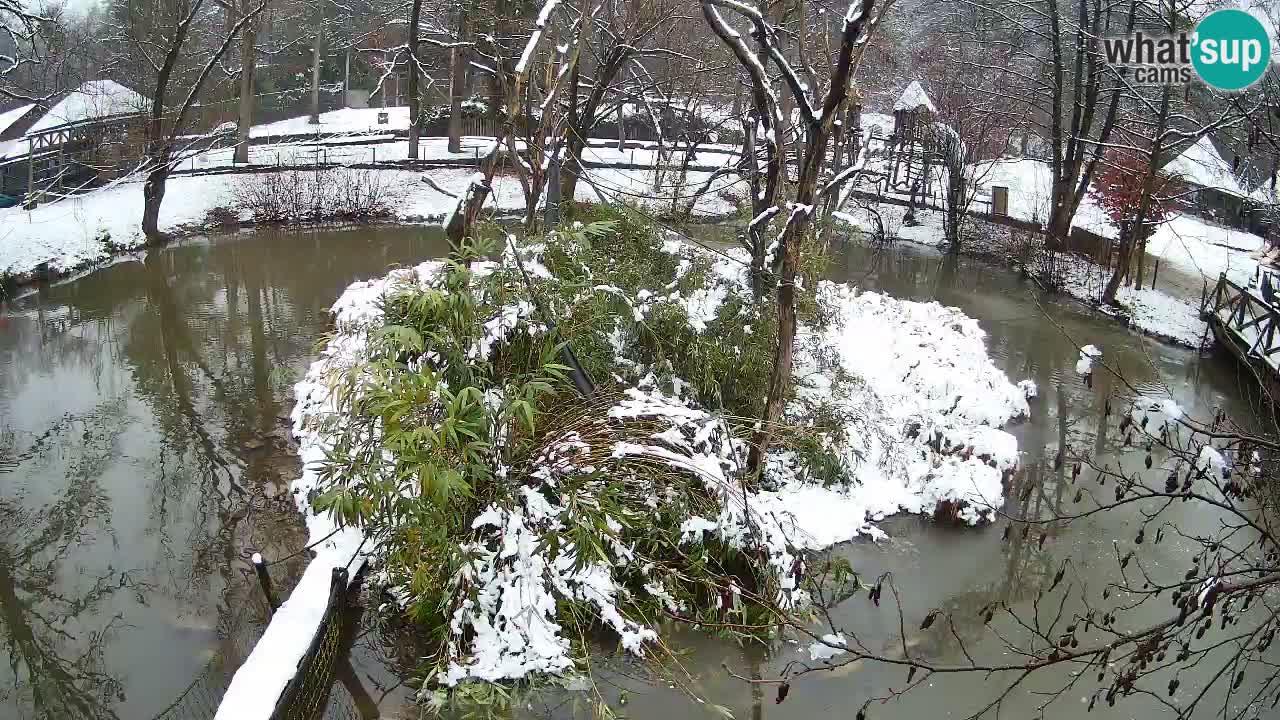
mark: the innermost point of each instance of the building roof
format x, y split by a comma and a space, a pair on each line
1201, 164
9, 117
913, 98
94, 100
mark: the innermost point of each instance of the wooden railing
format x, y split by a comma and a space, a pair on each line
1247, 316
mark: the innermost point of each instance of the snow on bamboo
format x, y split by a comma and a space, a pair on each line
929, 404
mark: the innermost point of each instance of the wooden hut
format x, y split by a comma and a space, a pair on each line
1213, 190
913, 114
88, 136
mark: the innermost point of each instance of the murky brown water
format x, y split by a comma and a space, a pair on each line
144, 453
143, 456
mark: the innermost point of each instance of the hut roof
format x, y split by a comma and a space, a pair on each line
1201, 164
94, 100
913, 98
9, 117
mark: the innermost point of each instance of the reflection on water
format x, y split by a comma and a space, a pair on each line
144, 450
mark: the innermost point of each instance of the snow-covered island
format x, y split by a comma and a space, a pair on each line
509, 514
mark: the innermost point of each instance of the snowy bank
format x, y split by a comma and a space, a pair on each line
79, 231
1185, 241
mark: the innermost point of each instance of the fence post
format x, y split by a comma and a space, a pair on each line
553, 192
264, 579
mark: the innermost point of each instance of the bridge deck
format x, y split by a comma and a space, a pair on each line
1247, 321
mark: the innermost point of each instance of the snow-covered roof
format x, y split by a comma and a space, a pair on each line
1201, 165
94, 100
914, 97
9, 117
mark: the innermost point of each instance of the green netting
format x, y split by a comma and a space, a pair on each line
311, 694
307, 694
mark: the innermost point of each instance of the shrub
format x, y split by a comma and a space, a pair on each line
221, 217
313, 195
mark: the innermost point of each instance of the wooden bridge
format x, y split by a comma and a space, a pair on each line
1244, 322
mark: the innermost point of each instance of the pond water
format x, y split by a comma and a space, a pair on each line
144, 454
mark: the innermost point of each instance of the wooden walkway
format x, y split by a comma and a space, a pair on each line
1246, 324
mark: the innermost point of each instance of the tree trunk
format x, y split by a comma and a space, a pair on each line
248, 63
152, 196
571, 166
315, 66
413, 79
1123, 260
456, 78
622, 130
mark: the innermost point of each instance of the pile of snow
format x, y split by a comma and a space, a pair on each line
938, 401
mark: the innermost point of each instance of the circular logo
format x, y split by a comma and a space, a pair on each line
1231, 49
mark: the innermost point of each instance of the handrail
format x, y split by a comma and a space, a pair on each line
1248, 311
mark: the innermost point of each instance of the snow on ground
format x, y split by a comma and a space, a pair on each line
384, 147
890, 219
346, 121
1193, 245
1030, 183
1205, 249
83, 229
75, 231
1152, 311
1198, 249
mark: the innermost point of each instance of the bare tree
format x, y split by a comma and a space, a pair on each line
817, 122
459, 224
23, 28
178, 41
628, 32
968, 82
